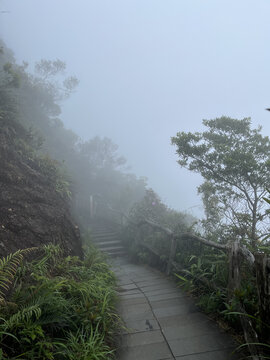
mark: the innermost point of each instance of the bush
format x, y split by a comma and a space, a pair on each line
60, 308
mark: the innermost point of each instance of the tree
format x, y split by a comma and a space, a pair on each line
102, 153
150, 207
212, 223
47, 72
31, 102
234, 160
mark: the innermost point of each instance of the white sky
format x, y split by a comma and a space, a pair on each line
150, 68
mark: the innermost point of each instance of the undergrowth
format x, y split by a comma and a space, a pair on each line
57, 307
203, 273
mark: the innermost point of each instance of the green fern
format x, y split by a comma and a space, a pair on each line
24, 315
8, 268
69, 299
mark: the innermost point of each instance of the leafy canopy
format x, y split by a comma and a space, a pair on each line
234, 160
229, 152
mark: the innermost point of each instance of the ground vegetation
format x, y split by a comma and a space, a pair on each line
57, 306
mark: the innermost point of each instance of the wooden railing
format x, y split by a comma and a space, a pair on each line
259, 263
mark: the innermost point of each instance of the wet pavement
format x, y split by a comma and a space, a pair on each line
162, 322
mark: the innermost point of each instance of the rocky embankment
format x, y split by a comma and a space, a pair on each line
32, 211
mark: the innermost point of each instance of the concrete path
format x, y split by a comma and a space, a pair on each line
162, 322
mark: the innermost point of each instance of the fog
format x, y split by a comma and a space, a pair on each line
149, 69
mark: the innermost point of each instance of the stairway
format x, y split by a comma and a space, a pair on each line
106, 237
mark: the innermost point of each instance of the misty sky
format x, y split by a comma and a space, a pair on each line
150, 68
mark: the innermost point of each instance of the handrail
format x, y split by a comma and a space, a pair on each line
234, 250
226, 247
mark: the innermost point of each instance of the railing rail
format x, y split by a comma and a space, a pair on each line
235, 252
260, 263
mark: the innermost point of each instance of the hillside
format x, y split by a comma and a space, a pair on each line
32, 211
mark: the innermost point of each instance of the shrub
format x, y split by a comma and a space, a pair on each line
59, 308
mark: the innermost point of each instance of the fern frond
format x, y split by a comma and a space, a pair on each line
8, 268
23, 315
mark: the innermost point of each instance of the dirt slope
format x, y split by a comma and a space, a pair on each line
32, 212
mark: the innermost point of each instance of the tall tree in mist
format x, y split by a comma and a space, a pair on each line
234, 161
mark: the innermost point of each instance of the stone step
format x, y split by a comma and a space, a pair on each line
112, 249
105, 236
103, 229
101, 240
107, 243
107, 227
119, 254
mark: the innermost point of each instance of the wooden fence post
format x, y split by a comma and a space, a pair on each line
234, 283
91, 207
262, 265
172, 254
138, 236
234, 280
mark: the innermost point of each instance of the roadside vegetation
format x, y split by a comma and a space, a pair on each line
57, 307
30, 101
222, 259
53, 305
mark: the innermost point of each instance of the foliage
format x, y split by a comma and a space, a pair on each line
101, 153
57, 174
8, 268
87, 345
205, 275
46, 73
151, 207
234, 161
60, 308
82, 168
203, 272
